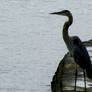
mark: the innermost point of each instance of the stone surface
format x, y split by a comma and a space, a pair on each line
64, 77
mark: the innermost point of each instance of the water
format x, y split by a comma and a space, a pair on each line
31, 45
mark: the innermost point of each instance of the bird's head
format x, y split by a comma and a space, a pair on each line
64, 13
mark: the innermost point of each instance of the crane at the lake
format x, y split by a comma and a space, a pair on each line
77, 50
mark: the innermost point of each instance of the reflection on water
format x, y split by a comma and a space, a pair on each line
30, 41
80, 83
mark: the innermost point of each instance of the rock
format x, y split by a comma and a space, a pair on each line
64, 77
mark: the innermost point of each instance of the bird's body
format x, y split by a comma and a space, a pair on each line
80, 54
75, 46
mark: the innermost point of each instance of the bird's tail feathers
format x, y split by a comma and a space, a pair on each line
89, 72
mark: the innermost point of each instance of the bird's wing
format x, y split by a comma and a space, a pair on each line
81, 56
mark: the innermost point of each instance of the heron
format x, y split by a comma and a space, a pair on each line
76, 48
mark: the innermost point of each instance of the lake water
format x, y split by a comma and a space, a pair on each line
31, 43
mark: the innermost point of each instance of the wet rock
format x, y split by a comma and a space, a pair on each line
64, 77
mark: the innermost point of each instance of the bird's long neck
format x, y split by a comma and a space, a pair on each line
65, 31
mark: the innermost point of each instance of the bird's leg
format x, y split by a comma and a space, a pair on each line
75, 78
85, 80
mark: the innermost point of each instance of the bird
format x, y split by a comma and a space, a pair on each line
76, 48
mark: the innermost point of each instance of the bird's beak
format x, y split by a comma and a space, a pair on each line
58, 13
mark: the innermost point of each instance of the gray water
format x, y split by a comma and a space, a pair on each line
31, 43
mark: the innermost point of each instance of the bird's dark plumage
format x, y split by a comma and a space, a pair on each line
81, 56
75, 47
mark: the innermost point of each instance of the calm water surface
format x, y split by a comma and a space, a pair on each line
31, 43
